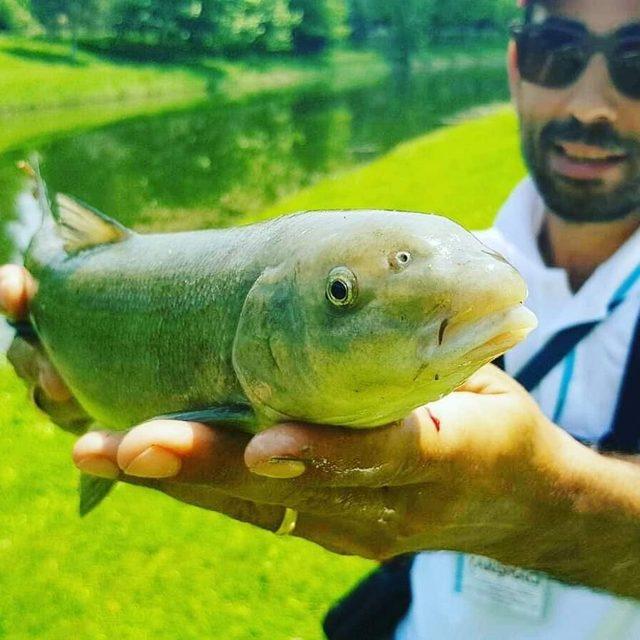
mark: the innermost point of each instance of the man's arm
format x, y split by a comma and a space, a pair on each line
481, 471
497, 479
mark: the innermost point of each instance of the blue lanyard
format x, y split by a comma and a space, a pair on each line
562, 346
570, 361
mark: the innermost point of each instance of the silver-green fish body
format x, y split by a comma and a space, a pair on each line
341, 317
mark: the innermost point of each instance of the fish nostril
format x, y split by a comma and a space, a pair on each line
443, 326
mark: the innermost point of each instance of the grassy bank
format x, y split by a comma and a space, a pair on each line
38, 75
143, 566
42, 91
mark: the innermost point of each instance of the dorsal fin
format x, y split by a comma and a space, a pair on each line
81, 226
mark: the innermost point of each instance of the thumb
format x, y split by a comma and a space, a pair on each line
489, 380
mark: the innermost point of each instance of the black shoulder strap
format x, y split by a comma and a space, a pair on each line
624, 436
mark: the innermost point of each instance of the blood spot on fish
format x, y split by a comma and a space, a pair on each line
436, 421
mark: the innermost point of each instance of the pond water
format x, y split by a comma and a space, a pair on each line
216, 165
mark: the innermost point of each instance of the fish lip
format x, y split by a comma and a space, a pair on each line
466, 335
501, 331
483, 338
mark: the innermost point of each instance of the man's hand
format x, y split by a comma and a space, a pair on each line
470, 472
48, 391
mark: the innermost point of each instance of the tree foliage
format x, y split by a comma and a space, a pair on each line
15, 16
236, 26
322, 23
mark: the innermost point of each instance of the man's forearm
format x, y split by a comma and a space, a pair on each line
587, 528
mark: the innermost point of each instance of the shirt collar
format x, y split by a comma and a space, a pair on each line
520, 220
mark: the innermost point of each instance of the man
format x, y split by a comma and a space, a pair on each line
498, 479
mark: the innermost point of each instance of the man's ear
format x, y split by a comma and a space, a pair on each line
515, 79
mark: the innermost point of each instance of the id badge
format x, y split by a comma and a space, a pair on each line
519, 591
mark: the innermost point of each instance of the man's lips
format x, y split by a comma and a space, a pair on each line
585, 162
584, 152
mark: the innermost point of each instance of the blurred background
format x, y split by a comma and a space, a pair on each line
176, 114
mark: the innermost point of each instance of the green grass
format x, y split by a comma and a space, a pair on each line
143, 566
37, 74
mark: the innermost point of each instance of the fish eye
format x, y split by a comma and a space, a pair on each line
342, 287
403, 257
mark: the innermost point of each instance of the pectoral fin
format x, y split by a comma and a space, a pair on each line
92, 491
240, 417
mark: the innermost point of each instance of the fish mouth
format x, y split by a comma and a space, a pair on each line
490, 335
498, 332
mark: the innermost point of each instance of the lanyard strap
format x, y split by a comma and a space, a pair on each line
564, 342
624, 436
553, 352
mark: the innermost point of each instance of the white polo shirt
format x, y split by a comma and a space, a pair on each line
459, 597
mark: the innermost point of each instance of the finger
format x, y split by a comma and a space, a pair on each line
184, 452
426, 446
192, 454
96, 454
17, 287
52, 384
25, 359
48, 392
68, 415
343, 457
189, 451
33, 366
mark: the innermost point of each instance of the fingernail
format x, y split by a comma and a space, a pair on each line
101, 467
154, 462
280, 468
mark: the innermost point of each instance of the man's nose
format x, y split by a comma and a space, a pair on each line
593, 97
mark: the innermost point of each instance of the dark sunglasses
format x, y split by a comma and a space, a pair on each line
555, 53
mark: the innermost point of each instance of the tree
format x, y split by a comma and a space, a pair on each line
217, 25
15, 16
229, 25
323, 22
64, 18
157, 21
405, 21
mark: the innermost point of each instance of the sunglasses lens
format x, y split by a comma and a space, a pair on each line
625, 67
550, 57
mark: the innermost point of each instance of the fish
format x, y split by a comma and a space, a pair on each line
345, 317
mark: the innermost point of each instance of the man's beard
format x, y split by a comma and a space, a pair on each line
582, 201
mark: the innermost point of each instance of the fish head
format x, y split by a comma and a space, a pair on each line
379, 314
